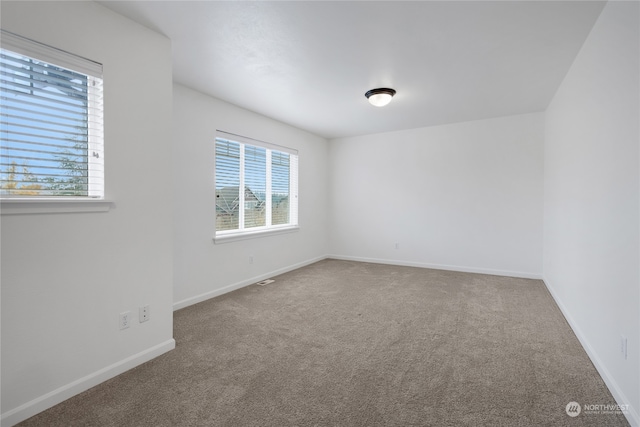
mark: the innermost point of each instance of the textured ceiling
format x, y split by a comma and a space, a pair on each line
309, 64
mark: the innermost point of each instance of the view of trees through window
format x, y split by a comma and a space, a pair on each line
245, 196
45, 129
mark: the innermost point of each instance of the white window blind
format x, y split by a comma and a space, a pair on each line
256, 185
51, 122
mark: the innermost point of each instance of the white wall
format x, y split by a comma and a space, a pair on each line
66, 277
464, 196
591, 203
203, 269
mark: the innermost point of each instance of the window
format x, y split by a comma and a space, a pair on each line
256, 187
51, 123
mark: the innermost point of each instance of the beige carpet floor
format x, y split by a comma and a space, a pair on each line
341, 343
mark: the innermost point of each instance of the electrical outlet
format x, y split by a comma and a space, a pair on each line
144, 313
397, 245
250, 259
125, 320
623, 346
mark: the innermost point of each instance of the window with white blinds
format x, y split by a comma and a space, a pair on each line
51, 122
256, 186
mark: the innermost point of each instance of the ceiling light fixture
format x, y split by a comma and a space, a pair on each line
380, 97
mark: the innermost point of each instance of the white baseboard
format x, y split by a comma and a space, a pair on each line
520, 274
217, 292
618, 395
63, 393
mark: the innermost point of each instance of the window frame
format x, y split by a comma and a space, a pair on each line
225, 236
95, 199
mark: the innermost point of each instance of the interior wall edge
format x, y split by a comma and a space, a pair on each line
241, 284
632, 414
29, 409
460, 268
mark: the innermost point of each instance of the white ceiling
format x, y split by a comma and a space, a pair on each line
309, 64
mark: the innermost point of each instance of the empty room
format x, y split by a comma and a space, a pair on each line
320, 213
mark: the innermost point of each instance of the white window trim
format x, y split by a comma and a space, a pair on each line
53, 205
229, 236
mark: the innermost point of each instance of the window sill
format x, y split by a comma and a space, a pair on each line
234, 237
52, 206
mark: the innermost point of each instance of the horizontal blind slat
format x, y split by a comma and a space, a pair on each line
46, 102
30, 87
18, 145
8, 104
19, 62
223, 135
16, 111
27, 154
57, 138
11, 119
43, 164
49, 129
27, 78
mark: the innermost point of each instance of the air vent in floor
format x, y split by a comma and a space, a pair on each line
265, 282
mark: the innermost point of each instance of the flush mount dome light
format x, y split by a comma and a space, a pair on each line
380, 97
